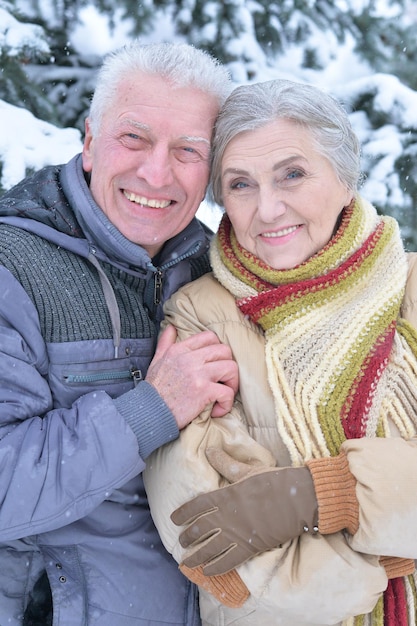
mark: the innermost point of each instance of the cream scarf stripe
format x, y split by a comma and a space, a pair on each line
399, 400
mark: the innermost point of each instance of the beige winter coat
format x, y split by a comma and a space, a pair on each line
321, 580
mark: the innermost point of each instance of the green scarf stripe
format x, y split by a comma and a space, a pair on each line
360, 620
351, 229
331, 427
380, 431
378, 613
411, 588
409, 333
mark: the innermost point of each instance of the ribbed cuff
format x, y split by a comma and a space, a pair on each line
229, 589
395, 566
148, 416
335, 489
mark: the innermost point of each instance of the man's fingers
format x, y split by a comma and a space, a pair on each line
224, 377
167, 339
203, 339
223, 402
223, 370
199, 341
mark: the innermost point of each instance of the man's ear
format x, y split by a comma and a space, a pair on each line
87, 153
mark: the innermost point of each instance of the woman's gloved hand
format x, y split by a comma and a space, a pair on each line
226, 527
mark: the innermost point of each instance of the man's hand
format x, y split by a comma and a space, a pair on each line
228, 526
192, 374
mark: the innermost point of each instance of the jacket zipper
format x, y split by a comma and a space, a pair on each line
157, 287
133, 373
159, 271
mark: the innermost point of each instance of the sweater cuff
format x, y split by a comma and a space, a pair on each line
229, 588
148, 416
396, 567
335, 489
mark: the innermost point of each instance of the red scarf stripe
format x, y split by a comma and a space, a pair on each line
358, 402
395, 603
258, 306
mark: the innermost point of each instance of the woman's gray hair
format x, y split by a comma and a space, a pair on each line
181, 64
253, 106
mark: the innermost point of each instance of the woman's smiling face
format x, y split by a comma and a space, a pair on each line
281, 195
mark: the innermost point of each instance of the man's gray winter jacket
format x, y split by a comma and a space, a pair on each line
80, 307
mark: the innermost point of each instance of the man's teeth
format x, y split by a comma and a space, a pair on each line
155, 204
281, 233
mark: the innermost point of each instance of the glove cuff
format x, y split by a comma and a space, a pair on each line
229, 588
335, 489
395, 567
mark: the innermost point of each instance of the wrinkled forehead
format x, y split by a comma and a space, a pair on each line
148, 99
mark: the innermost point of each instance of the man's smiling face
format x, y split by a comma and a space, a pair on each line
149, 162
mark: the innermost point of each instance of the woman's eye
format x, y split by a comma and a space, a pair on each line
240, 184
294, 174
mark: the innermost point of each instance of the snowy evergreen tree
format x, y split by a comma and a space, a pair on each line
384, 115
46, 74
24, 45
21, 43
388, 40
66, 77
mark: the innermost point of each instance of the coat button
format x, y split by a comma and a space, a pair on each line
62, 579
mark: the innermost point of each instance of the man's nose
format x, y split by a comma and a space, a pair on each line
156, 167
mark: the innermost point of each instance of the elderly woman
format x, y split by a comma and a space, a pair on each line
300, 506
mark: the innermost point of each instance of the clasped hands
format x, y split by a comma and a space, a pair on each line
262, 510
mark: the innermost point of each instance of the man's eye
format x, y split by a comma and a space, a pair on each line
133, 141
130, 139
188, 154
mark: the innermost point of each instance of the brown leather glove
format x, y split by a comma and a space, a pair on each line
232, 524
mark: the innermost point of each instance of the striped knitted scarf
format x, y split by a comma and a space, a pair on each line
340, 360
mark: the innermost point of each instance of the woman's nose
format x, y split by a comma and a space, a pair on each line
270, 205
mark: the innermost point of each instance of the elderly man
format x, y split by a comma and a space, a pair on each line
89, 251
